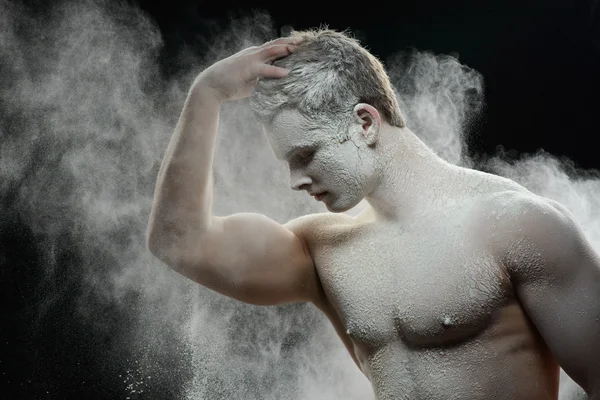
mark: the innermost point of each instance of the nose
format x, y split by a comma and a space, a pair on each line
299, 181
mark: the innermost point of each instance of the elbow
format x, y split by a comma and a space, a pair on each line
151, 237
152, 241
163, 237
170, 250
159, 245
160, 235
152, 244
161, 240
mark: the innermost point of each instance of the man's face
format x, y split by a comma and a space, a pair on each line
321, 161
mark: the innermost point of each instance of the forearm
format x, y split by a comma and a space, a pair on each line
183, 194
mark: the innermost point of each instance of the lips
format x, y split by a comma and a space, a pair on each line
320, 196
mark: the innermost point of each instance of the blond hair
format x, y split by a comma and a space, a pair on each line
330, 73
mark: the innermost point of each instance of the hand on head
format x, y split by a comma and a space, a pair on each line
235, 77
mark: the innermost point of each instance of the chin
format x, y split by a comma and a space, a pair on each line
341, 205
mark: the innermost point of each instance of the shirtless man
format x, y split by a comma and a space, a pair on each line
451, 284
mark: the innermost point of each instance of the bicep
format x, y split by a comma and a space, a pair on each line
253, 259
557, 277
566, 312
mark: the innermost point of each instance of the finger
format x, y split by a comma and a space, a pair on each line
284, 40
276, 51
271, 71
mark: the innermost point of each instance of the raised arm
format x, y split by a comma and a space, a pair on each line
246, 256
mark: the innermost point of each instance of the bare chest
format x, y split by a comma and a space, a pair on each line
429, 284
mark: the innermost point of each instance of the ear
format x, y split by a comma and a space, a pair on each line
370, 121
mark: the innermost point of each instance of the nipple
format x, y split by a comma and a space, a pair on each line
448, 321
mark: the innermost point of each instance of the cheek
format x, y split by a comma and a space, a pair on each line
336, 172
346, 163
325, 166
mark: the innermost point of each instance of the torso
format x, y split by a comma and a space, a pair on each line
429, 311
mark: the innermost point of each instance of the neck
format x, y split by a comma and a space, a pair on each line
412, 177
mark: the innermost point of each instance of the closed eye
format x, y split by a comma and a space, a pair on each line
306, 156
307, 153
302, 156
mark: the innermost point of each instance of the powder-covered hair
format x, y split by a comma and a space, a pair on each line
330, 73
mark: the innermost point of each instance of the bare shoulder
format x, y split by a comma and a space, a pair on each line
318, 227
526, 225
522, 206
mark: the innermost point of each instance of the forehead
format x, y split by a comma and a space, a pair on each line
290, 131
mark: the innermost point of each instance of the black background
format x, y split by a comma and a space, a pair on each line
541, 64
540, 59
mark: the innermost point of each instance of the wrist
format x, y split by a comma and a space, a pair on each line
202, 87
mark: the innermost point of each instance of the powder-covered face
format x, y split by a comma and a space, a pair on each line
323, 159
